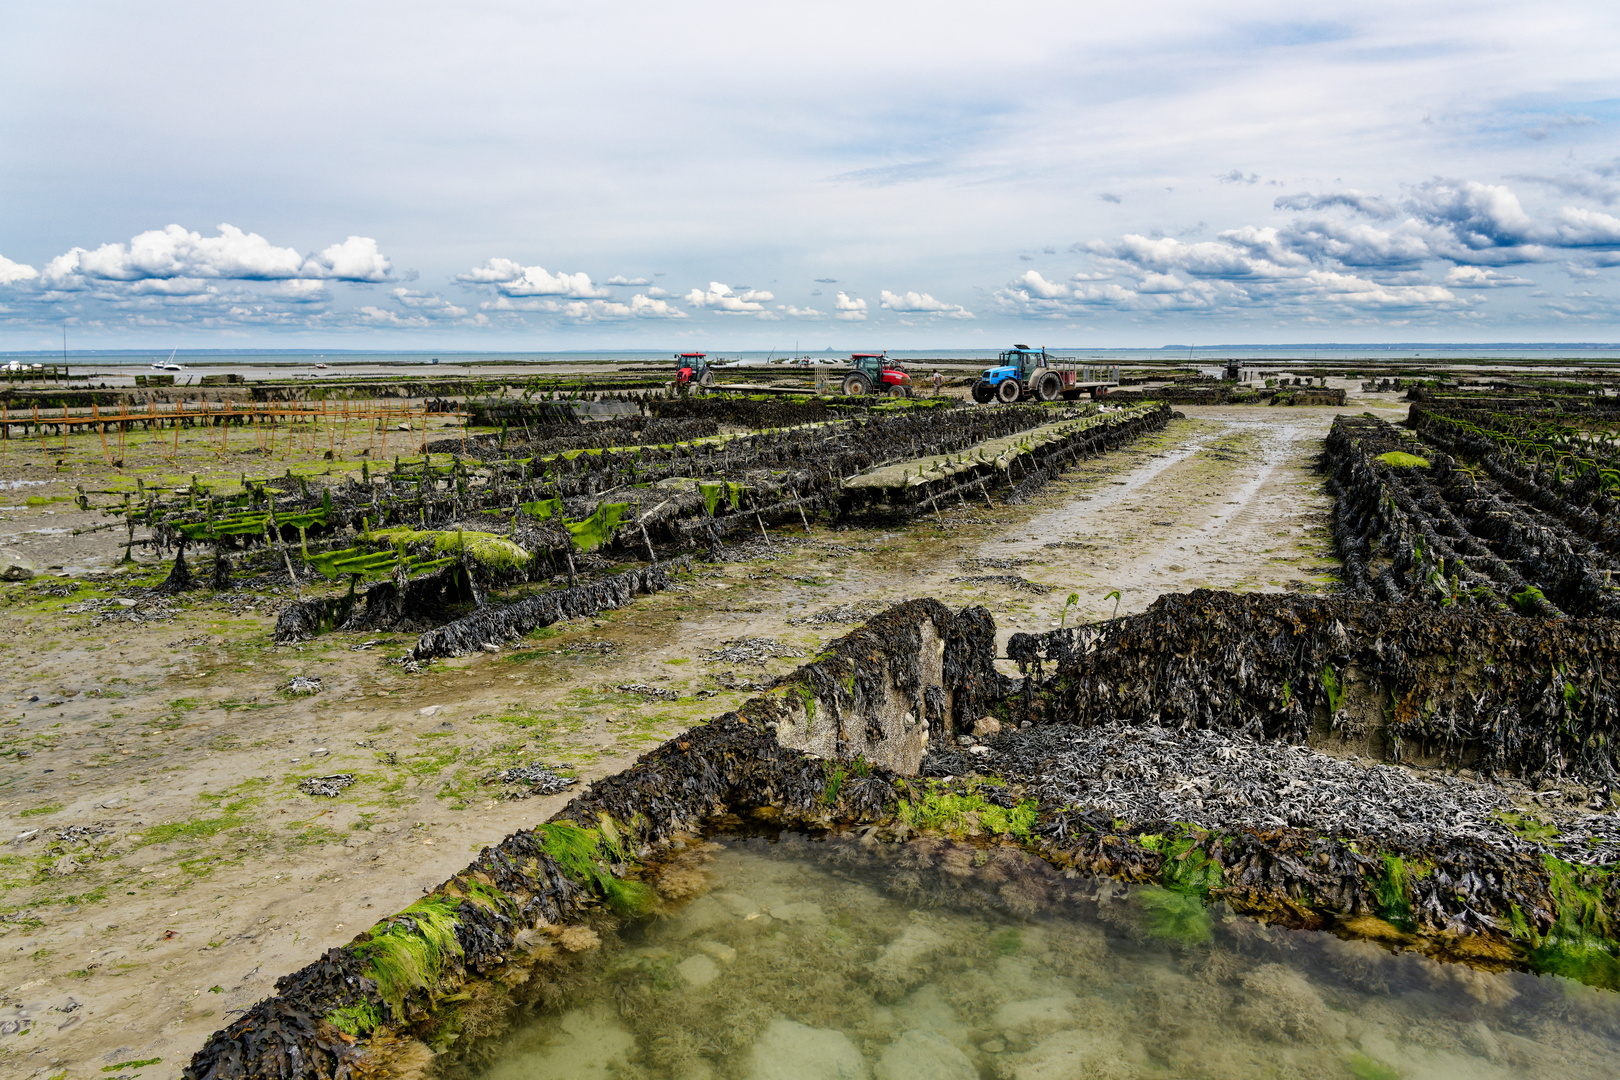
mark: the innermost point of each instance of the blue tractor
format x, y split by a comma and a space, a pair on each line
1023, 372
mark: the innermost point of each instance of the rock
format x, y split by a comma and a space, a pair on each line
983, 751
700, 915
924, 1055
591, 1045
430, 710
802, 911
721, 952
895, 968
1280, 1003
127, 603
115, 804
790, 1051
987, 726
490, 646
64, 866
13, 567
1070, 1054
1036, 1016
738, 906
698, 970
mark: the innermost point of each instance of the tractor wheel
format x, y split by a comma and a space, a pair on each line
856, 384
1049, 387
707, 379
983, 394
1009, 391
898, 391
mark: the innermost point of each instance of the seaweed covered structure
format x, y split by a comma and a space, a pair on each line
1410, 681
1458, 514
1216, 810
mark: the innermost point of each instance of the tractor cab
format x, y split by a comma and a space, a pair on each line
693, 367
1020, 361
874, 373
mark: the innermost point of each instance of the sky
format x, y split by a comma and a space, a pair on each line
796, 176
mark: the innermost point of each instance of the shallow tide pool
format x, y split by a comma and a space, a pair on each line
839, 960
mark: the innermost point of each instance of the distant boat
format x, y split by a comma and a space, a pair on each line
320, 365
169, 364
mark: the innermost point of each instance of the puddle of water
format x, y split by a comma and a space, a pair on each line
826, 959
13, 485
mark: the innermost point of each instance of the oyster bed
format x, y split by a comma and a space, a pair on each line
1148, 775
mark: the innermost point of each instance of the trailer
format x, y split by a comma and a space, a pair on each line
1023, 372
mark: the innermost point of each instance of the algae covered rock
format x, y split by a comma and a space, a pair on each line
1070, 1055
1036, 1016
588, 1044
698, 970
1281, 1004
791, 1051
14, 567
924, 1055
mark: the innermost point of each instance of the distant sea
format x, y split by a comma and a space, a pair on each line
1579, 352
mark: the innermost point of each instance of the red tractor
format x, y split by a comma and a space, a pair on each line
872, 373
693, 367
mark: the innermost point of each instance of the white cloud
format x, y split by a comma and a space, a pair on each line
1475, 221
650, 307
589, 311
1478, 277
301, 291
922, 302
174, 253
1586, 228
620, 279
371, 315
1371, 205
850, 309
720, 298
514, 279
356, 259
1036, 285
798, 312
13, 272
429, 305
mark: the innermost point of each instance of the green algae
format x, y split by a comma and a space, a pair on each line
1174, 916
1400, 460
407, 953
1392, 892
1580, 944
579, 852
1363, 1067
965, 814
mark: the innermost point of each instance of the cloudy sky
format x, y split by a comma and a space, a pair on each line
541, 175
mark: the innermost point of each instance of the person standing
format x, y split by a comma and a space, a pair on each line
939, 381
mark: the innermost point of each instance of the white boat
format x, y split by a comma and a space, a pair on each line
169, 364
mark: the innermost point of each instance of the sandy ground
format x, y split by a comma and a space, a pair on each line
166, 867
